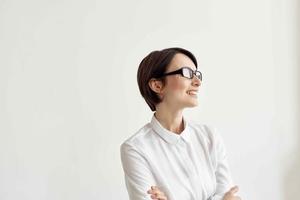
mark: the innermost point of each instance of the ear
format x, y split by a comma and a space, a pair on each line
156, 85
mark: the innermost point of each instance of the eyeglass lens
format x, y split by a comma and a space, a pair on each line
188, 73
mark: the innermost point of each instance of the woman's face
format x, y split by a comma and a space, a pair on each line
178, 91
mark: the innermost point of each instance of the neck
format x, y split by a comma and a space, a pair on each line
170, 119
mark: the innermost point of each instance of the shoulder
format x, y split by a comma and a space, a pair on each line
138, 139
210, 134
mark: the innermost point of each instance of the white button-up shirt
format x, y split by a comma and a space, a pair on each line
191, 165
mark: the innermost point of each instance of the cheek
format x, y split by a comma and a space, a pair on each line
176, 85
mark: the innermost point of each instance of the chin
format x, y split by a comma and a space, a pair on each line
192, 104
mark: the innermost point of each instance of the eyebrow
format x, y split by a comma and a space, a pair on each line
182, 67
191, 68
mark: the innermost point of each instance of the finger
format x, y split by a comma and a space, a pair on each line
154, 187
162, 197
156, 193
152, 190
234, 189
159, 197
156, 190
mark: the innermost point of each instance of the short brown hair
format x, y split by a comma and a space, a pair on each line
154, 65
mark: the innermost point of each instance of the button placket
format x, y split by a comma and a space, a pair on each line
196, 179
188, 165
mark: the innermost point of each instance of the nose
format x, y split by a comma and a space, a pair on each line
196, 81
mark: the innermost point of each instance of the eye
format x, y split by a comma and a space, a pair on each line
187, 72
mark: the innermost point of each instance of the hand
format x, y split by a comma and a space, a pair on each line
156, 193
230, 194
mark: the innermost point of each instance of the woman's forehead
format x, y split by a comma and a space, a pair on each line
181, 60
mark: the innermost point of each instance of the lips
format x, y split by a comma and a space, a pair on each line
192, 92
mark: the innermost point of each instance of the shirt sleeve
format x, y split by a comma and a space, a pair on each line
138, 177
223, 176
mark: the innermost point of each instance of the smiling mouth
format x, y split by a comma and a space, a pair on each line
192, 93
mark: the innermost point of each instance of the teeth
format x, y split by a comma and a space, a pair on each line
192, 92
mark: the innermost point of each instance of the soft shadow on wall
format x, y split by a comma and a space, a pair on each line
292, 179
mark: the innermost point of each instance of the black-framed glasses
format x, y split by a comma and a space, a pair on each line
185, 72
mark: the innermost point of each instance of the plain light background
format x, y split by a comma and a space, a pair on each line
69, 96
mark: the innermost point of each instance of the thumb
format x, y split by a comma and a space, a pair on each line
234, 189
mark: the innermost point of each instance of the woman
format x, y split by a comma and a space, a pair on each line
171, 157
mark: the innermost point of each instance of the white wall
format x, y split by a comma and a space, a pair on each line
69, 97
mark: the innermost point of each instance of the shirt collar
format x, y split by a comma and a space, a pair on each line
170, 136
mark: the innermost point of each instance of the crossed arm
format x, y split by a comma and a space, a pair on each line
157, 194
141, 184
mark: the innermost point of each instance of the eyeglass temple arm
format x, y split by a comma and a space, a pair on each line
171, 73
